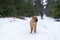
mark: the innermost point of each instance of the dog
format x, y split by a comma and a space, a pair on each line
33, 24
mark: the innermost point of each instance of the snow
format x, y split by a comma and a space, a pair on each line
18, 29
44, 2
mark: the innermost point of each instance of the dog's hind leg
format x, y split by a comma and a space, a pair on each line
35, 29
31, 30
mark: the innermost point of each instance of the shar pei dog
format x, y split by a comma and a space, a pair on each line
33, 24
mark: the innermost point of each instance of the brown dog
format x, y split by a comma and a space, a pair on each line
33, 24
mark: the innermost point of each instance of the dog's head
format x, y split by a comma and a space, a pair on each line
35, 18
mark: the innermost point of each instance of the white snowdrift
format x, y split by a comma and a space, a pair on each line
18, 29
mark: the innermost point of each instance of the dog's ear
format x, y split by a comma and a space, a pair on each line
36, 20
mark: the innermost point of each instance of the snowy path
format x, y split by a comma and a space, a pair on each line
47, 29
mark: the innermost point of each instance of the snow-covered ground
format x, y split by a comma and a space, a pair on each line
18, 29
